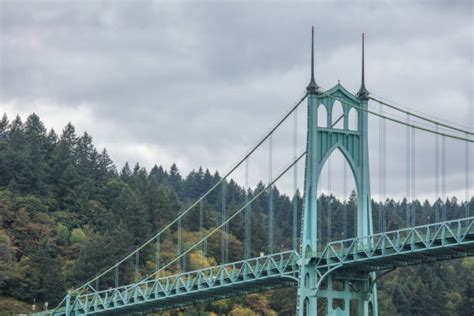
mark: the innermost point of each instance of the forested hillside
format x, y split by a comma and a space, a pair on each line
67, 212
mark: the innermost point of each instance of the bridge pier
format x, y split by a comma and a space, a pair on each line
337, 294
340, 294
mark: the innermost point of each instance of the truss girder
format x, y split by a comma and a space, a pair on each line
237, 278
404, 247
414, 245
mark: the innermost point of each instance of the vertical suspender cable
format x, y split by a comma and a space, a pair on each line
466, 174
204, 244
295, 181
201, 222
329, 211
436, 204
384, 175
224, 230
158, 250
179, 244
248, 226
413, 178
443, 176
344, 200
408, 163
380, 170
270, 195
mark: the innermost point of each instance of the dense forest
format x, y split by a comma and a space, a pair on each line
67, 212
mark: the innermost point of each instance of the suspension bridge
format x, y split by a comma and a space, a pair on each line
338, 273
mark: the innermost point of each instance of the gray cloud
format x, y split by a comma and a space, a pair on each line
197, 83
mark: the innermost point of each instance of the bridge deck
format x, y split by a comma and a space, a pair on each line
415, 245
409, 246
232, 279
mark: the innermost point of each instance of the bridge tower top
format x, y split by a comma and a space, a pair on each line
312, 86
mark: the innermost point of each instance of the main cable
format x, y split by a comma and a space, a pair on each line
184, 212
269, 185
356, 106
437, 121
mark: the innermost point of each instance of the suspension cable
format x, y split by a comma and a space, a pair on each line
356, 106
201, 224
466, 174
158, 253
413, 177
184, 212
224, 231
408, 170
178, 250
345, 200
270, 195
380, 159
329, 206
295, 181
201, 220
216, 229
443, 176
436, 205
384, 174
434, 121
248, 226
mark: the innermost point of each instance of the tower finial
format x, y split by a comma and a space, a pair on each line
363, 93
312, 87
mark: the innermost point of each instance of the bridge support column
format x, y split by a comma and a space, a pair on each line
323, 139
342, 295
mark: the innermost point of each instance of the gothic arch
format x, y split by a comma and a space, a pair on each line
322, 116
347, 158
353, 120
336, 113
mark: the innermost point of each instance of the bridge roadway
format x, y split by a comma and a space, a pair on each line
399, 248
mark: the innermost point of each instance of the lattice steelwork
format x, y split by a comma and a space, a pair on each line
399, 248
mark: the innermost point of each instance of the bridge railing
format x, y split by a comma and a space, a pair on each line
226, 275
411, 239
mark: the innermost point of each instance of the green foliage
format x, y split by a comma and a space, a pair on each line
66, 214
62, 234
10, 306
77, 235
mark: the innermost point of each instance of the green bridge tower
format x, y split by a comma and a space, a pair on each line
337, 289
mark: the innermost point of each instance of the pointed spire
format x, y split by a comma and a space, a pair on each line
312, 86
363, 93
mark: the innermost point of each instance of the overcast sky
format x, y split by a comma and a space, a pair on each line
198, 83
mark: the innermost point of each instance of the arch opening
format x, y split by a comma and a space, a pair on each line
337, 115
352, 120
322, 116
337, 200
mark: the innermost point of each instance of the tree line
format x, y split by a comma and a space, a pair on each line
67, 212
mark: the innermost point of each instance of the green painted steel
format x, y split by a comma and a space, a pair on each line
227, 280
336, 272
353, 259
414, 245
322, 141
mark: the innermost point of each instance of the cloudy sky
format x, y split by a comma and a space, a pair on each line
197, 83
